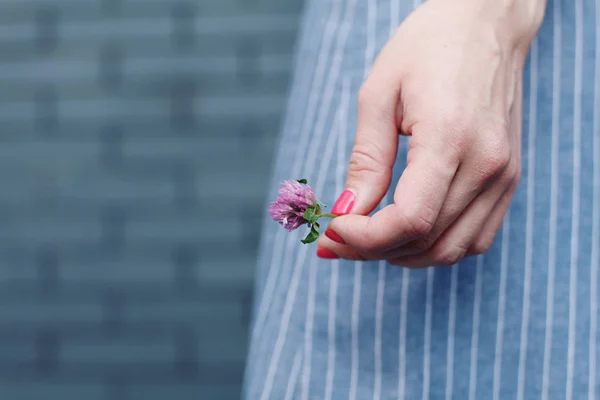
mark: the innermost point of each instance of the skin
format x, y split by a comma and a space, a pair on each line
451, 79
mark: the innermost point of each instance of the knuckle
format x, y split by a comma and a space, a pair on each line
511, 176
366, 94
448, 255
496, 157
423, 244
515, 171
480, 246
419, 221
497, 160
365, 157
371, 243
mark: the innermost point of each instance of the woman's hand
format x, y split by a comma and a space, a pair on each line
451, 78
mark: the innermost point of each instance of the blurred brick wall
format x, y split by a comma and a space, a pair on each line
136, 138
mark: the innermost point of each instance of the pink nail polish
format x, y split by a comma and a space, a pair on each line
344, 203
326, 253
334, 236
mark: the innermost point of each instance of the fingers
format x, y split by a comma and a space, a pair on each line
471, 234
376, 141
470, 181
487, 235
327, 248
454, 243
419, 197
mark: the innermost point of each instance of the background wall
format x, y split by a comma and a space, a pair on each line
136, 138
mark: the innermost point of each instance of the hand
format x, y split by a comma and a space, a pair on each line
451, 78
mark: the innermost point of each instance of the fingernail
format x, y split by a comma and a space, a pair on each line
326, 253
334, 236
344, 203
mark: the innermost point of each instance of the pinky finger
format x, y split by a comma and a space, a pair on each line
490, 230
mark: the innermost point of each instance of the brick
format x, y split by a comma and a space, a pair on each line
81, 109
42, 312
51, 230
15, 391
185, 392
17, 352
116, 352
21, 337
152, 127
185, 229
182, 311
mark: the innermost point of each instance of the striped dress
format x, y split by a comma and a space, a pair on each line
519, 322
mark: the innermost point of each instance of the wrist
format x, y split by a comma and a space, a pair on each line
515, 22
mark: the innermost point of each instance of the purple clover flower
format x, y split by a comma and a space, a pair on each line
295, 206
293, 199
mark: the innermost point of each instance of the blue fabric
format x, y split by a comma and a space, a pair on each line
519, 322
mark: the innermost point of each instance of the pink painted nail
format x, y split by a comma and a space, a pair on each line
326, 253
344, 203
334, 236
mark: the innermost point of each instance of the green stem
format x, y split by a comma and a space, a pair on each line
328, 215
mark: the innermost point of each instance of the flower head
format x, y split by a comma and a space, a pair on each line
293, 199
296, 205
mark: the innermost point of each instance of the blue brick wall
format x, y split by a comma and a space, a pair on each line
136, 138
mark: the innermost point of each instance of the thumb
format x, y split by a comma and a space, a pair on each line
375, 146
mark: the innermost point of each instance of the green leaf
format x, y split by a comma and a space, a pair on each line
313, 234
303, 181
311, 215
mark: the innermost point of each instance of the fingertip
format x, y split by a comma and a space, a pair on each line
351, 229
345, 202
325, 253
331, 234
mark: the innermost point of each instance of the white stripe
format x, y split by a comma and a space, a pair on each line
451, 328
333, 284
475, 330
379, 328
312, 269
501, 307
354, 330
293, 379
331, 323
319, 132
394, 15
427, 335
553, 200
371, 34
402, 345
305, 133
576, 195
529, 219
595, 223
